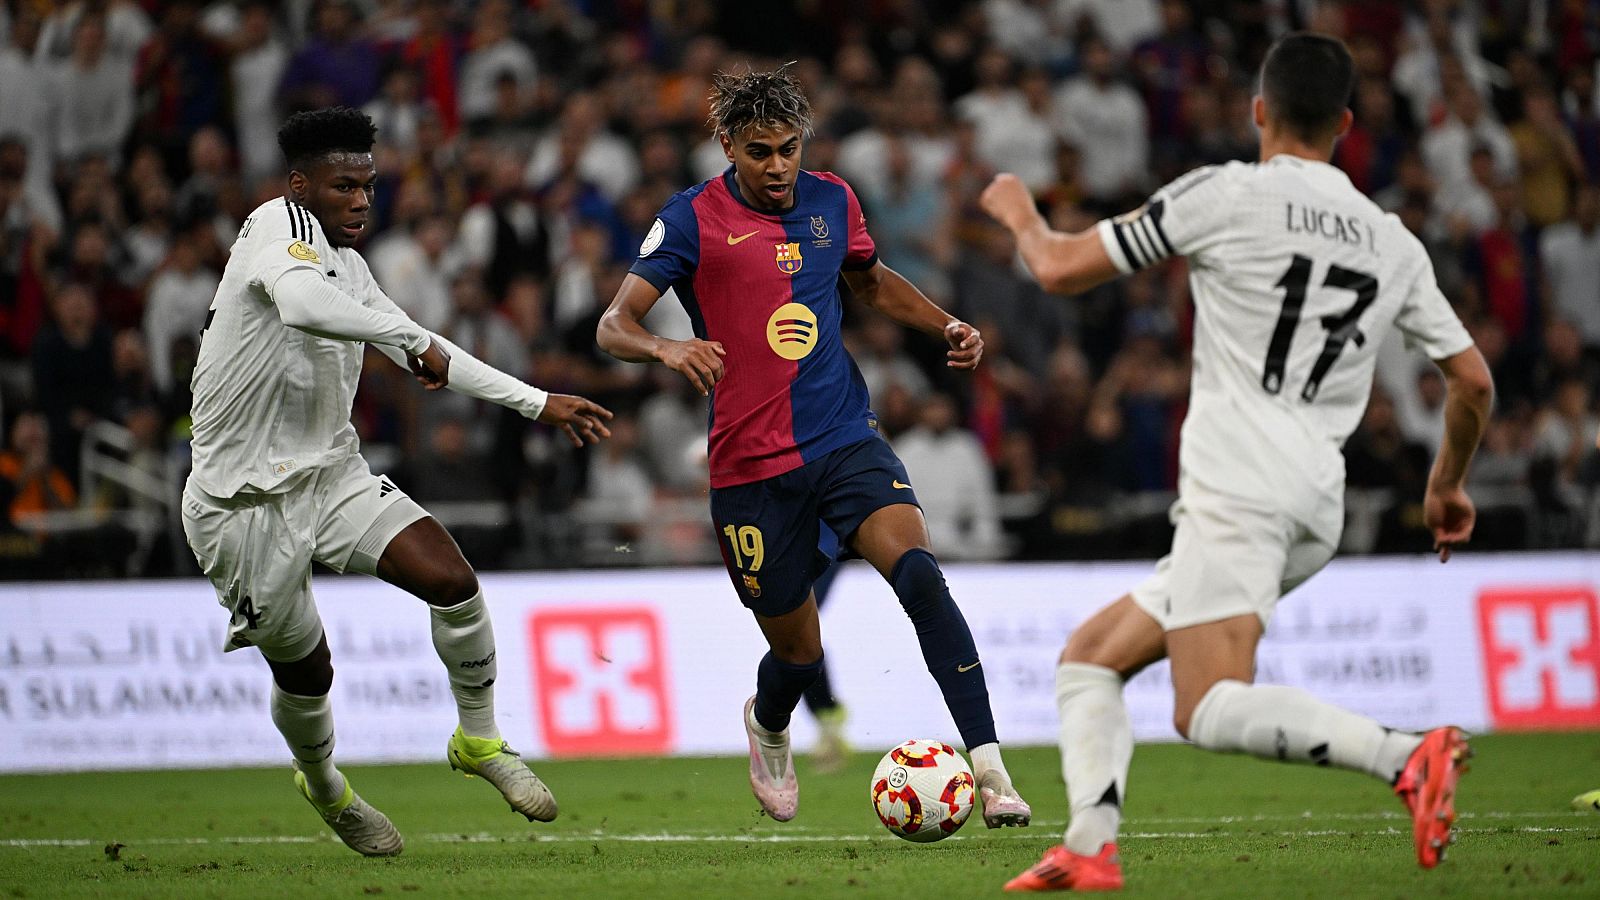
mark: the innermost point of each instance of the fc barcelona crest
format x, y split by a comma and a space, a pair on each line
789, 260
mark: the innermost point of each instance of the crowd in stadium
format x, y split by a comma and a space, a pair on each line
524, 148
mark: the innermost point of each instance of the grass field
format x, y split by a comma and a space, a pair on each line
1197, 825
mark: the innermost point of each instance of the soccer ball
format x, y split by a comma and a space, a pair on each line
922, 791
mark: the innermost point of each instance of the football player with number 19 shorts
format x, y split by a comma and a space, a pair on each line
757, 256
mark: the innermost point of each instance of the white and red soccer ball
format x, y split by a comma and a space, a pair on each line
922, 791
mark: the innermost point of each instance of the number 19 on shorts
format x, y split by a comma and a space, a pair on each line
744, 541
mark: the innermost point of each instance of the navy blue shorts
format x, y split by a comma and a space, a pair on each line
777, 535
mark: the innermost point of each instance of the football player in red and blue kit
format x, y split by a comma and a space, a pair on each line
758, 257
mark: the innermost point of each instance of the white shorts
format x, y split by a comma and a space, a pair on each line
257, 549
1230, 558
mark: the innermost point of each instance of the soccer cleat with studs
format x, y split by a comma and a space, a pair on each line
772, 777
1003, 807
493, 760
1062, 870
361, 827
1427, 786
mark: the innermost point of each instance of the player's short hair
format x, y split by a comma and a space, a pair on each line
1306, 80
750, 99
308, 136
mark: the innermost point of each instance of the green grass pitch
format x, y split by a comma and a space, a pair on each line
1198, 825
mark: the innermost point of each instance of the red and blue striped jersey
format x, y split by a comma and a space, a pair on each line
767, 286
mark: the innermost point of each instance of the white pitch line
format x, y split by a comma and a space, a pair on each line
681, 838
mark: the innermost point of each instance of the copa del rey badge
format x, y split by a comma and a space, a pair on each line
789, 260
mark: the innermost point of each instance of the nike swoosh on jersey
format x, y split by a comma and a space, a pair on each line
743, 237
899, 486
969, 666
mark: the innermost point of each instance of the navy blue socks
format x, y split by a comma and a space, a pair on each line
947, 645
779, 685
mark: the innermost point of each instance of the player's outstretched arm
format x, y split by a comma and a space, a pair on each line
1062, 263
621, 335
583, 420
888, 292
1469, 393
307, 301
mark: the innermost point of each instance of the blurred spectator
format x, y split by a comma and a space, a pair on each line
505, 233
1122, 24
92, 93
1448, 147
1105, 119
1012, 126
258, 62
126, 28
672, 428
580, 147
1503, 279
620, 491
415, 266
176, 307
26, 237
914, 113
495, 61
954, 482
133, 384
29, 482
398, 110
1570, 252
25, 108
881, 357
72, 377
1547, 158
1371, 151
433, 52
910, 222
336, 66
1564, 438
180, 76
1164, 65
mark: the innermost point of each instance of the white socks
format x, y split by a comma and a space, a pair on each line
774, 746
1276, 722
464, 639
1096, 747
986, 759
306, 723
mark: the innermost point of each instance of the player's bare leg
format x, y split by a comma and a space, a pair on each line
895, 540
1219, 708
301, 711
792, 662
424, 560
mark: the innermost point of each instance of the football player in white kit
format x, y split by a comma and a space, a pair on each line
1296, 279
278, 479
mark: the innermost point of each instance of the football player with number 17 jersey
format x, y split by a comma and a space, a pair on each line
1296, 279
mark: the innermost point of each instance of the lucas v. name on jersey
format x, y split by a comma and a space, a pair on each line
1302, 219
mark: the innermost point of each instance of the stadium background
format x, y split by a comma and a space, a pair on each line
524, 147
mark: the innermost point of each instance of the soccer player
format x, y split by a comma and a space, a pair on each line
757, 256
1296, 279
279, 481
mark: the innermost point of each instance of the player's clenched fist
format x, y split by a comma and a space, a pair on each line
966, 345
582, 420
1007, 200
697, 360
432, 368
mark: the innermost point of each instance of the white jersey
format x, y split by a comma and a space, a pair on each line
273, 402
1297, 278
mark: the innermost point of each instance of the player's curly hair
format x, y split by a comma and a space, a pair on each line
749, 99
308, 136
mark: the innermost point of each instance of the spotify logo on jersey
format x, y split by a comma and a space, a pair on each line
792, 331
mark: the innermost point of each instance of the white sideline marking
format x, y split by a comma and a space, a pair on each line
1043, 830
